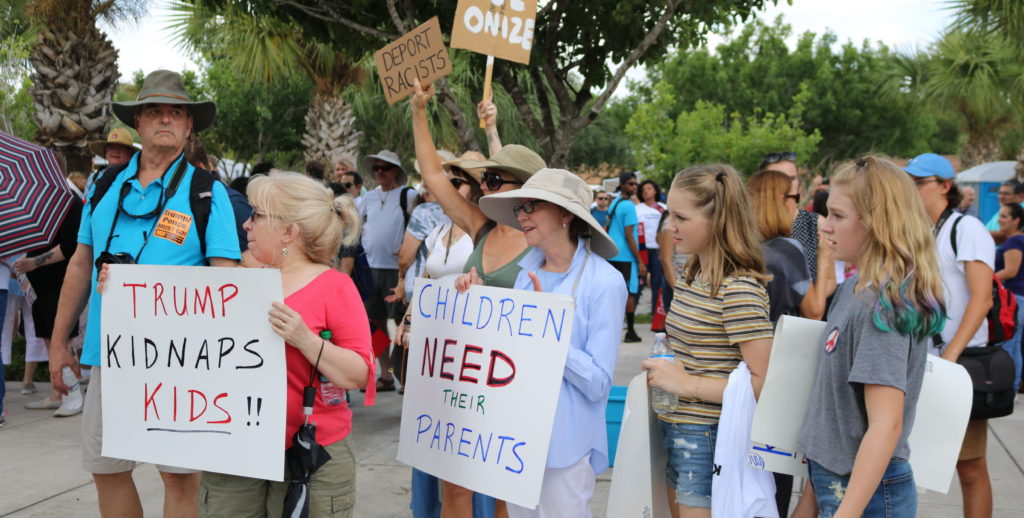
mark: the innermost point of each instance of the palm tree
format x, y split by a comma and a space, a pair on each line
264, 48
1003, 17
975, 74
75, 74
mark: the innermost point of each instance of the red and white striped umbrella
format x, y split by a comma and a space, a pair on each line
34, 196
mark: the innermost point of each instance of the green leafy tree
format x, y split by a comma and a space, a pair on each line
17, 38
708, 133
255, 118
849, 100
581, 52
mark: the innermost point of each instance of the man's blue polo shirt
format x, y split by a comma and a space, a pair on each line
131, 232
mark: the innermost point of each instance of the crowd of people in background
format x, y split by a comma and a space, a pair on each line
894, 259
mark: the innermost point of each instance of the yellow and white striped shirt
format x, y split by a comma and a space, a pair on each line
705, 333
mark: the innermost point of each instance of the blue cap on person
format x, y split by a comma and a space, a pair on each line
930, 164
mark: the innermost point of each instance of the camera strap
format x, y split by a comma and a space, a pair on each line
166, 193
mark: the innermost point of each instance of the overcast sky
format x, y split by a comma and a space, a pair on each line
897, 23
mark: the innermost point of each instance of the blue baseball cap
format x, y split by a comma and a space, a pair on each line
930, 164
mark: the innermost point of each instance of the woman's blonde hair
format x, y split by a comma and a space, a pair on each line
734, 245
766, 190
324, 222
899, 258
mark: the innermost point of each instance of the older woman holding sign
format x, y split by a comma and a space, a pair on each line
553, 211
297, 227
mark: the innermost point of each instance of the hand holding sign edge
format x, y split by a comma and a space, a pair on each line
422, 95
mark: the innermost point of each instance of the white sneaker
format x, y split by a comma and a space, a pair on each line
66, 411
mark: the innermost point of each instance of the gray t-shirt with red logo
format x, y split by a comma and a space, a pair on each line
854, 353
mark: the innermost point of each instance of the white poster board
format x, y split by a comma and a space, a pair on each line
484, 372
639, 488
193, 374
785, 396
943, 408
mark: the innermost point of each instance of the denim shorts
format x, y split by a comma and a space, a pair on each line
691, 461
895, 497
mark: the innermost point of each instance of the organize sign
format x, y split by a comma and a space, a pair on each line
418, 54
500, 28
484, 372
193, 374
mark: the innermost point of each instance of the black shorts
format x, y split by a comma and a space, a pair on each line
625, 268
384, 280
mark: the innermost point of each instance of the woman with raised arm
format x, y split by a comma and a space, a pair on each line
498, 248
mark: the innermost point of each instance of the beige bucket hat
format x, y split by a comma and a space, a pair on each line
117, 136
166, 87
518, 160
556, 186
469, 156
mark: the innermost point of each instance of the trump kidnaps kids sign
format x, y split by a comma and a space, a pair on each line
193, 374
484, 372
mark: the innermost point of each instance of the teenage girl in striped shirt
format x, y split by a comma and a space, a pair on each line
718, 317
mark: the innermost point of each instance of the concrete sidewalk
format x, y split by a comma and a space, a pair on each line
42, 477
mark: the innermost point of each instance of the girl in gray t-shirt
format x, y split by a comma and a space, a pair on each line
874, 349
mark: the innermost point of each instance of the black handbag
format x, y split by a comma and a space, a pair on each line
992, 372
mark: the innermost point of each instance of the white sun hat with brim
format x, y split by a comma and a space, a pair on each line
561, 188
443, 154
390, 157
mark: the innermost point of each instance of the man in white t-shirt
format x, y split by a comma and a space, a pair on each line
385, 212
967, 287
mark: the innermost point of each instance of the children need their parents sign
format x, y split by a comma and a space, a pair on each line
500, 28
420, 53
484, 372
193, 374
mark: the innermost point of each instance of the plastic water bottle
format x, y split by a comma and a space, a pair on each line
331, 394
661, 400
73, 401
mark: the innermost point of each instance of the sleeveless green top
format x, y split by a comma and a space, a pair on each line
504, 277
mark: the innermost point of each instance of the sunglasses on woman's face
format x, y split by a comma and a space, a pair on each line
494, 181
794, 197
457, 182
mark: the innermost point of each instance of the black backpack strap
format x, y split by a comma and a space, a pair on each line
403, 202
104, 180
201, 200
952, 235
611, 212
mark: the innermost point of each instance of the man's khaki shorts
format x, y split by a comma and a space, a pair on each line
975, 440
92, 436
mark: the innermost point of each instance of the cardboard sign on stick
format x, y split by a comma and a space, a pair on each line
484, 371
500, 28
419, 53
638, 482
192, 373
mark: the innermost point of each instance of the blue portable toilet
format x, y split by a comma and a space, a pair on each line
986, 179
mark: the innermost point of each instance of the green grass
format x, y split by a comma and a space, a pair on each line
642, 318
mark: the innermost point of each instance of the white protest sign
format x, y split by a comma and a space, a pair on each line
639, 488
484, 372
500, 28
786, 396
193, 374
943, 409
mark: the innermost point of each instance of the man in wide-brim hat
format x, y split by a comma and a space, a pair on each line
141, 217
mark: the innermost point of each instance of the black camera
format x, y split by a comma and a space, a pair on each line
109, 258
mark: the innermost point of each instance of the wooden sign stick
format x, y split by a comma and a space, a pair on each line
487, 85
